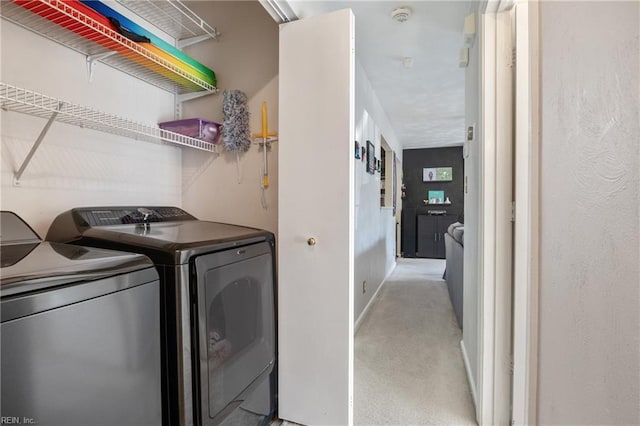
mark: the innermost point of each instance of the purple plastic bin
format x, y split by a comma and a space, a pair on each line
198, 128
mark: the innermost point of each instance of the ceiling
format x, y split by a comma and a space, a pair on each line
424, 103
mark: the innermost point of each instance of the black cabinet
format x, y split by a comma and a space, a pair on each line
430, 235
409, 232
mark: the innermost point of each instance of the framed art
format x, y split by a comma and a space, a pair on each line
437, 174
371, 159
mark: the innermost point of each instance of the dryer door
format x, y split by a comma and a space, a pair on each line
236, 326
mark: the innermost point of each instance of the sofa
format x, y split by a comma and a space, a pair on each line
454, 253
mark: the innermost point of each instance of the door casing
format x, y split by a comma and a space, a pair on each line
508, 367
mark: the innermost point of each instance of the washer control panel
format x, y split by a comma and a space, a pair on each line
105, 216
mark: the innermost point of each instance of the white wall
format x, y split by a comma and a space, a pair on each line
472, 170
74, 166
589, 347
246, 58
375, 240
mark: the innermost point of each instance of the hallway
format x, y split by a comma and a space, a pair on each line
408, 364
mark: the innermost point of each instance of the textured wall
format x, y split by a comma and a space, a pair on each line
589, 353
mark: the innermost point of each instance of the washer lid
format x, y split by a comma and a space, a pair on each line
47, 265
14, 230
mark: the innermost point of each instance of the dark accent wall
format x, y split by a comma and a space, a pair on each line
413, 161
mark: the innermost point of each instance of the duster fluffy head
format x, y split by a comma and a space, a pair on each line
236, 132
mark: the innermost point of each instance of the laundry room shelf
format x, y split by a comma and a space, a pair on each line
13, 98
173, 17
62, 22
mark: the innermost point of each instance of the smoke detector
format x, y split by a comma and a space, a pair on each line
401, 14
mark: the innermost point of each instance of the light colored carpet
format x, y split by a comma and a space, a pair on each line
408, 364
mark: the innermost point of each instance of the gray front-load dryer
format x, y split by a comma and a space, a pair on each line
80, 333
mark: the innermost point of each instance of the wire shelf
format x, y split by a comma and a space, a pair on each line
171, 16
54, 19
13, 98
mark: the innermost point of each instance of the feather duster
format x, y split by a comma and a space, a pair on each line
236, 132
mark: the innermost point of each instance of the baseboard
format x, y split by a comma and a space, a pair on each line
467, 367
364, 312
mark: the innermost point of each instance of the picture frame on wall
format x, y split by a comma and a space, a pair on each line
371, 159
437, 174
436, 197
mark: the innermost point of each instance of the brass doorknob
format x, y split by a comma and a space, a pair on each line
311, 241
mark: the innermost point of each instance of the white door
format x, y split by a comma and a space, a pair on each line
316, 220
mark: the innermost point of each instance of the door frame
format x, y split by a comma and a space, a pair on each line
527, 224
494, 337
493, 399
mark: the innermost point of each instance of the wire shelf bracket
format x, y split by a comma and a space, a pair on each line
180, 44
180, 99
28, 102
91, 62
36, 145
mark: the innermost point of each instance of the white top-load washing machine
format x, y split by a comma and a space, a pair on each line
218, 306
80, 333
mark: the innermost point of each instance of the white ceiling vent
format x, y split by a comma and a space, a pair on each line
401, 14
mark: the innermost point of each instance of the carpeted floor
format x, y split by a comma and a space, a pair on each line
408, 365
